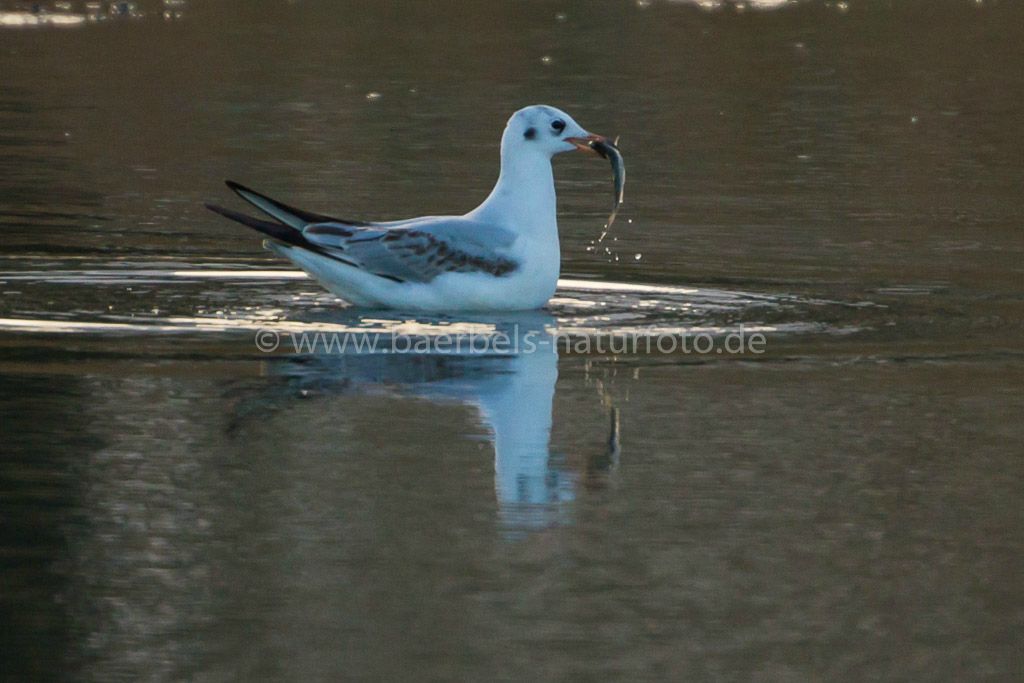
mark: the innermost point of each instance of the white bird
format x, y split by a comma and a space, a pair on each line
502, 255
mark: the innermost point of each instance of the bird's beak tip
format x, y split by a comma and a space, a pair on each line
588, 143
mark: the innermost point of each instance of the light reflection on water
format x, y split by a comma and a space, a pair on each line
79, 13
582, 307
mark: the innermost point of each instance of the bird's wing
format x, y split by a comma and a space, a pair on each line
415, 250
418, 250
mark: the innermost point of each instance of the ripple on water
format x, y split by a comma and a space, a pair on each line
216, 301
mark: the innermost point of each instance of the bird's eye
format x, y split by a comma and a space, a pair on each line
558, 125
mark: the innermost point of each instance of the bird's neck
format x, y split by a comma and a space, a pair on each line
524, 196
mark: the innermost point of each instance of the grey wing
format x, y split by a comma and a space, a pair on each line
418, 250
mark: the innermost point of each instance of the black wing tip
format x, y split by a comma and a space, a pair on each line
237, 188
218, 209
247, 194
278, 232
244, 219
269, 228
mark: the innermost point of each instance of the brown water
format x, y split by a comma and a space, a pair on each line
846, 181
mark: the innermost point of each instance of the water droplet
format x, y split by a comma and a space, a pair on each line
637, 257
373, 96
643, 4
561, 16
913, 119
546, 60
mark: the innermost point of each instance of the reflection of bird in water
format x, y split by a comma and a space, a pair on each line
603, 462
513, 389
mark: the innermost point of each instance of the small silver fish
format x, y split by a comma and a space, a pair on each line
605, 148
610, 150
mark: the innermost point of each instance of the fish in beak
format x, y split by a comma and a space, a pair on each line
600, 145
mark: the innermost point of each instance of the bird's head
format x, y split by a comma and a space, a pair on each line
540, 129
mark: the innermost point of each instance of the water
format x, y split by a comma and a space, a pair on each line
843, 180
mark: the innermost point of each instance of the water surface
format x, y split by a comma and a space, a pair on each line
179, 502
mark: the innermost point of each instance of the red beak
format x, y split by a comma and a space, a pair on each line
587, 144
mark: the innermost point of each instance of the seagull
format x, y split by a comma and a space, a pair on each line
503, 255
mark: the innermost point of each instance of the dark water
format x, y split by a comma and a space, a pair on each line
846, 505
